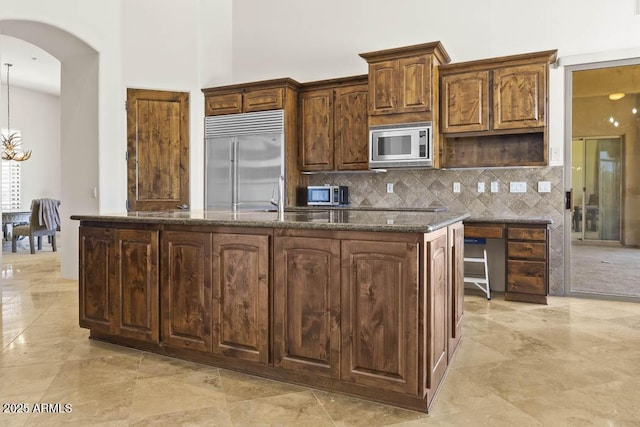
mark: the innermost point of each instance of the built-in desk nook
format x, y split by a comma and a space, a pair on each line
526, 248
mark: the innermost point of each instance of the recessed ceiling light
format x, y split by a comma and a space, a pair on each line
616, 96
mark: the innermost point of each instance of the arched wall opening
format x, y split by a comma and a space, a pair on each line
79, 125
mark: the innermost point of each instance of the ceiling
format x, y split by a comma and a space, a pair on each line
604, 81
33, 68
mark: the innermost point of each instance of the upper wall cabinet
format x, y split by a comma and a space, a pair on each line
494, 111
333, 125
249, 97
403, 83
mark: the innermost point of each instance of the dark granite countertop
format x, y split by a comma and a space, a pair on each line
509, 220
404, 221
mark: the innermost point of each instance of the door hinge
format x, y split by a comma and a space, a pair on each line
126, 204
126, 155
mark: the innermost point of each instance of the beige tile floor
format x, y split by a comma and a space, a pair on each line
574, 362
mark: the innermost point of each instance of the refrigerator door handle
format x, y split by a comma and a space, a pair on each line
234, 174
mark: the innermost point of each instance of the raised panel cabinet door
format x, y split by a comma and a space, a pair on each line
137, 284
241, 296
456, 286
436, 306
383, 87
307, 305
185, 287
228, 103
316, 127
95, 278
351, 128
263, 100
414, 84
519, 96
157, 149
465, 102
380, 314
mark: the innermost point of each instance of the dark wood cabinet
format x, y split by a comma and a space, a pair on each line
456, 286
307, 305
119, 282
494, 111
465, 102
241, 285
403, 87
186, 290
243, 99
519, 96
333, 125
379, 314
436, 310
527, 263
373, 314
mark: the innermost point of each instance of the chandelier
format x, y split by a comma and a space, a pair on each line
12, 141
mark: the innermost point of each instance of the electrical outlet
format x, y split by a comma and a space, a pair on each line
456, 187
481, 187
389, 187
494, 186
517, 187
544, 187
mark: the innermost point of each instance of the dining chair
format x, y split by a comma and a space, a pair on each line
44, 221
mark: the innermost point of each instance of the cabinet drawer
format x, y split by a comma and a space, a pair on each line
486, 231
263, 99
528, 277
515, 233
527, 250
230, 103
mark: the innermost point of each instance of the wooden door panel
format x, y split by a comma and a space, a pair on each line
306, 305
96, 271
351, 128
383, 87
456, 286
137, 284
230, 103
465, 102
415, 84
241, 296
519, 97
436, 309
157, 149
186, 290
316, 112
263, 99
379, 314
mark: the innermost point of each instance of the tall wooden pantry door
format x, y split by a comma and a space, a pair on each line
157, 149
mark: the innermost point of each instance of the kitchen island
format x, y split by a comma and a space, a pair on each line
367, 303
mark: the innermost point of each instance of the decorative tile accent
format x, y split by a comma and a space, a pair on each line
423, 188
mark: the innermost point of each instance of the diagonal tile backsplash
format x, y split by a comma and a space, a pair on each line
421, 188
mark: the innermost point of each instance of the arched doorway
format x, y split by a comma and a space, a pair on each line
79, 124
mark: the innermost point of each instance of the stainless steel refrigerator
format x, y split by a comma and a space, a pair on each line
244, 161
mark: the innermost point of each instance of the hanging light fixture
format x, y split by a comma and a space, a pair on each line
12, 141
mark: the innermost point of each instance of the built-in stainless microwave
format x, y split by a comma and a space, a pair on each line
406, 145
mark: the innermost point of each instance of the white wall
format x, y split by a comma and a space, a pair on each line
37, 116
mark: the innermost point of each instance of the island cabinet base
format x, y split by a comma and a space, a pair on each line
371, 314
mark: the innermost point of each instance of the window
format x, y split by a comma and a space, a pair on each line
11, 183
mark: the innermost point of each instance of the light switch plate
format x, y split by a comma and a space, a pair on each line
389, 187
544, 187
494, 186
456, 187
481, 187
517, 187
